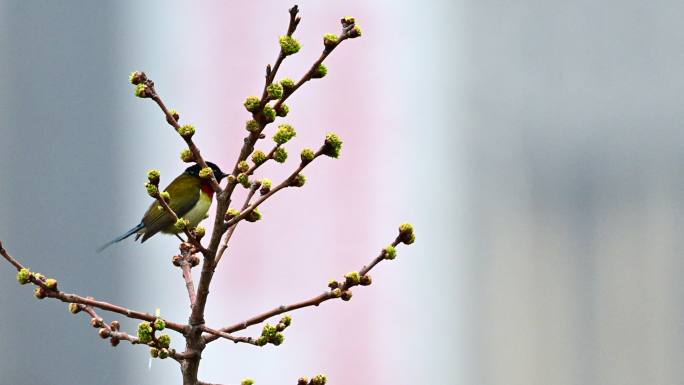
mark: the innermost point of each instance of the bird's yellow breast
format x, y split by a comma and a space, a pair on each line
200, 210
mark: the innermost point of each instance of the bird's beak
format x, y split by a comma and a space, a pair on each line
223, 175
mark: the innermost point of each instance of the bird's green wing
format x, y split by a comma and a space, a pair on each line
184, 192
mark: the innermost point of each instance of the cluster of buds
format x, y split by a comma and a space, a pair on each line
350, 28
273, 334
159, 346
152, 185
107, 331
143, 85
43, 284
351, 279
316, 380
187, 251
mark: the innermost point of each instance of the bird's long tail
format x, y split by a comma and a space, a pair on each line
121, 238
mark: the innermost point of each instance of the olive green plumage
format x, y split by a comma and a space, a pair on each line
190, 198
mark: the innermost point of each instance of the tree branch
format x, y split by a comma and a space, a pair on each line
315, 301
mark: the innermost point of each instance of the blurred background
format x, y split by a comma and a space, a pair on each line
534, 145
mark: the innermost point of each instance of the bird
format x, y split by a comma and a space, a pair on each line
191, 197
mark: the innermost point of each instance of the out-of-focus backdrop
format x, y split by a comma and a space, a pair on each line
536, 146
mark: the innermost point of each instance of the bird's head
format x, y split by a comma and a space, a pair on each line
195, 169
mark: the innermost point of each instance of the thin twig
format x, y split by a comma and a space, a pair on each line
231, 230
315, 301
220, 334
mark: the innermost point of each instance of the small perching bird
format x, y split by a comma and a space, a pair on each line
190, 198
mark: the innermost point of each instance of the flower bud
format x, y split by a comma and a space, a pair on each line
24, 276
247, 381
289, 45
152, 190
355, 32
319, 380
286, 320
159, 324
51, 283
282, 110
74, 308
142, 91
163, 353
280, 155
199, 232
181, 224
165, 196
336, 293
265, 186
114, 341
288, 85
278, 339
253, 216
332, 145
346, 295
243, 179
39, 292
103, 333
187, 156
406, 234
269, 113
164, 341
365, 280
284, 133
275, 91
154, 352
96, 322
319, 72
231, 213
243, 166
330, 40
252, 104
298, 181
333, 284
153, 176
258, 157
303, 381
348, 21
187, 131
389, 252
176, 260
307, 155
352, 278
174, 114
206, 173
115, 325
145, 332
194, 260
137, 77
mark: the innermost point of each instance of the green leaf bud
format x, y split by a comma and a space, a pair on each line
288, 84
206, 173
298, 181
352, 278
346, 295
278, 339
319, 380
165, 196
284, 133
153, 176
303, 381
137, 77
181, 224
243, 166
164, 341
252, 125
200, 231
282, 110
252, 103
286, 320
268, 330
275, 91
330, 40
231, 213
187, 156
159, 324
333, 284
355, 32
154, 352
163, 353
269, 113
261, 341
280, 155
289, 45
253, 215
389, 252
336, 292
187, 131
145, 332
152, 190
247, 381
174, 113
307, 155
348, 21
265, 186
39, 292
243, 179
365, 280
258, 157
406, 234
142, 91
24, 276
74, 308
320, 72
51, 283
332, 145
